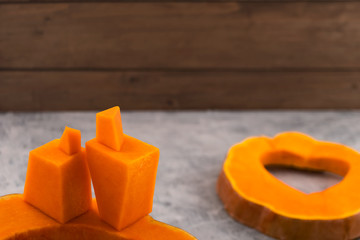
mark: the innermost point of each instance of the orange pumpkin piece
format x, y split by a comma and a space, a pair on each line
123, 171
109, 130
20, 221
256, 198
58, 180
58, 184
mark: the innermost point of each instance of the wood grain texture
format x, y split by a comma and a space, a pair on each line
154, 1
179, 55
90, 90
193, 35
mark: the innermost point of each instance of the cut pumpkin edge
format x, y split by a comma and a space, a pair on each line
223, 180
29, 222
240, 194
235, 203
224, 176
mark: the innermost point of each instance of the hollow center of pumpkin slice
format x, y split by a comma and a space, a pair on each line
304, 180
306, 175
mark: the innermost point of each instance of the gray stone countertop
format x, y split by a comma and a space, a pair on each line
192, 146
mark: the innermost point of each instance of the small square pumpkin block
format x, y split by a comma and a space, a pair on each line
123, 171
58, 181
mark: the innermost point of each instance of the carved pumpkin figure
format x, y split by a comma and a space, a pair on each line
57, 202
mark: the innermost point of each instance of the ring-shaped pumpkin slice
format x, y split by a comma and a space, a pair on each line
256, 198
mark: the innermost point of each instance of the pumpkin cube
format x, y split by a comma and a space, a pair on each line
58, 180
123, 171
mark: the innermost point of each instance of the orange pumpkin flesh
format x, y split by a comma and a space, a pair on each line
57, 200
256, 198
58, 180
123, 171
20, 220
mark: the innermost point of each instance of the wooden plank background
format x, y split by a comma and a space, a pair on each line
178, 90
179, 55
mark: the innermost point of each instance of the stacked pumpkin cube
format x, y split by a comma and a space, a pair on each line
122, 169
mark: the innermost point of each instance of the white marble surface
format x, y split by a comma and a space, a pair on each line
192, 145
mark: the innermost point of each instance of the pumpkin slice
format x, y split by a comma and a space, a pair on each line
123, 171
58, 180
20, 220
256, 198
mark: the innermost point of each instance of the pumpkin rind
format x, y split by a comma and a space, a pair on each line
256, 198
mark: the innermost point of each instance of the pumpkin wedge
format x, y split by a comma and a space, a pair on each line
256, 198
20, 221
